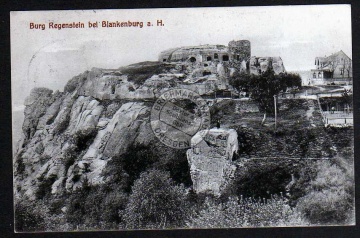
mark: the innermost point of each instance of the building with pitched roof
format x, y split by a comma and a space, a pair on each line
335, 69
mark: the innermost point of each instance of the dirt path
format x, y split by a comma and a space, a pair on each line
310, 111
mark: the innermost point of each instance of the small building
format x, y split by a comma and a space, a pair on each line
335, 69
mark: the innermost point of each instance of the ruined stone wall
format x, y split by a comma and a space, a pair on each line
202, 53
240, 50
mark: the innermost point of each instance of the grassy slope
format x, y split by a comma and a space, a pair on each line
299, 132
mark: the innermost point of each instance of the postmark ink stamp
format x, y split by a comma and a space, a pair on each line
177, 115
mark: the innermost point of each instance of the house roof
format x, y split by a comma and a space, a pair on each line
321, 59
336, 54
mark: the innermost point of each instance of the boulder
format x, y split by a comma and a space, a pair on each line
210, 160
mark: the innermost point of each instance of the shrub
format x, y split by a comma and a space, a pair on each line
218, 110
83, 139
76, 212
113, 205
55, 205
138, 73
70, 156
44, 188
155, 202
73, 83
330, 199
261, 178
304, 173
111, 109
329, 206
28, 217
264, 86
19, 165
96, 207
63, 122
174, 161
246, 212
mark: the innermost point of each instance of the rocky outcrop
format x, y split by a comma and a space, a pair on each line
35, 107
259, 65
72, 138
128, 126
210, 160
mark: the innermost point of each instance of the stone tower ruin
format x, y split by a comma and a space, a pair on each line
240, 50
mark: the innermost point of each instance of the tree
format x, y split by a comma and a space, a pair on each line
240, 81
346, 99
348, 67
263, 87
155, 202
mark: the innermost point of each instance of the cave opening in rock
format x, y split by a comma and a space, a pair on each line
206, 73
192, 59
216, 56
208, 58
225, 58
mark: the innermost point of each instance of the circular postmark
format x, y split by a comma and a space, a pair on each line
177, 115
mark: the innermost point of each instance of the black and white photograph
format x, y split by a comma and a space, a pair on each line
182, 118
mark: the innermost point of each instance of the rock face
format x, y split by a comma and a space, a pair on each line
70, 136
46, 156
210, 160
259, 65
36, 106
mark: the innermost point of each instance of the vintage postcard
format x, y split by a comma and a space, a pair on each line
223, 117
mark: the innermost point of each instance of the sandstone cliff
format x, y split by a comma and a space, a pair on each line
71, 135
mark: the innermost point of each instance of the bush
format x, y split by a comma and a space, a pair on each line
218, 110
44, 188
155, 202
138, 73
28, 217
126, 168
246, 212
96, 207
76, 81
63, 122
83, 139
329, 206
113, 205
70, 156
137, 159
261, 178
110, 109
330, 199
174, 161
19, 165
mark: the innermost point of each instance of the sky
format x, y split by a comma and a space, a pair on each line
50, 57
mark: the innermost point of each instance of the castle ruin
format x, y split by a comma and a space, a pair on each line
236, 55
